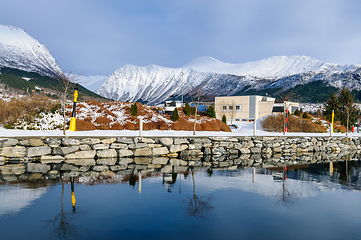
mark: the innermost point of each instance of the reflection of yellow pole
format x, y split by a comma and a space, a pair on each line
72, 126
140, 182
73, 200
331, 167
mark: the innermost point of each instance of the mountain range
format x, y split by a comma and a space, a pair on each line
299, 78
275, 75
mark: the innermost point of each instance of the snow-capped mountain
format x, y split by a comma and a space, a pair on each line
20, 51
155, 84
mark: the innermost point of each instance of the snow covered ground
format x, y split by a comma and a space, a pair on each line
244, 129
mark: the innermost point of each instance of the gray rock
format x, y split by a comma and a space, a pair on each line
137, 145
81, 154
177, 148
8, 142
125, 140
12, 169
17, 151
53, 142
119, 146
36, 142
125, 153
143, 152
107, 153
70, 142
180, 141
166, 141
85, 147
65, 150
125, 161
100, 168
195, 146
38, 151
142, 160
108, 140
90, 141
160, 151
68, 167
37, 168
106, 161
53, 174
51, 159
81, 161
100, 146
219, 151
146, 140
160, 160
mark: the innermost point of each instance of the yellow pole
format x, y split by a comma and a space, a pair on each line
72, 126
332, 118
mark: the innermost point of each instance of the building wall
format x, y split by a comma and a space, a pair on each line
243, 108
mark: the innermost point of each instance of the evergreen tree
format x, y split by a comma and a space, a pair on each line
347, 109
175, 115
187, 109
305, 115
331, 104
297, 112
224, 119
134, 109
194, 110
211, 112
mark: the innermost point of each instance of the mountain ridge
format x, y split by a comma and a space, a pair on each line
154, 84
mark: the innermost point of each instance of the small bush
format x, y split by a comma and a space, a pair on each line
134, 109
305, 115
211, 112
224, 119
297, 112
187, 109
175, 115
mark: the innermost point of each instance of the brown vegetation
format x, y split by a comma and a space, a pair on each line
275, 123
24, 107
98, 115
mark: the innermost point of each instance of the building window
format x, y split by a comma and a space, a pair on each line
224, 108
230, 108
239, 108
237, 119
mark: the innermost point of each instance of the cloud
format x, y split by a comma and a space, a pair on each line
98, 37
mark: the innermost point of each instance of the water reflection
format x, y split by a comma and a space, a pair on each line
160, 205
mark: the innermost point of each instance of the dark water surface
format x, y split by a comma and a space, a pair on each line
300, 202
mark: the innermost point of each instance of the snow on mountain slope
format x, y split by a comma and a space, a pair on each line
273, 67
156, 84
91, 82
19, 50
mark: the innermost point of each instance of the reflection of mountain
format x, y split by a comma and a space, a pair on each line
13, 200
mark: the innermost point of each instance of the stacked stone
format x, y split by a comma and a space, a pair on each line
34, 158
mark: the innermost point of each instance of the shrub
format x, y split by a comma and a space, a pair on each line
134, 109
275, 123
304, 115
297, 112
211, 112
187, 109
175, 115
224, 119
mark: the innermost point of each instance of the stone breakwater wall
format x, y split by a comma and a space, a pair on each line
93, 156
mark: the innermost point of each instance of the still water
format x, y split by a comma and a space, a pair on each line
316, 201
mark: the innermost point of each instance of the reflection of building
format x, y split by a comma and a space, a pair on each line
243, 108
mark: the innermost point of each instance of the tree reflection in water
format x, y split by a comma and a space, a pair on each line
63, 228
286, 197
198, 207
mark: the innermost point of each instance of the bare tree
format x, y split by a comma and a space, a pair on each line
66, 81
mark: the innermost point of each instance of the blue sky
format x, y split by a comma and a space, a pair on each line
98, 37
